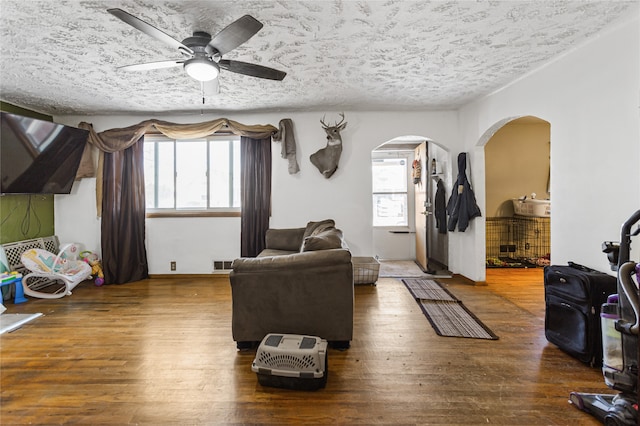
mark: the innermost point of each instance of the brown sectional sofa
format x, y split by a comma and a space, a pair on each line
301, 283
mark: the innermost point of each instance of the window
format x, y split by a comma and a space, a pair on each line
389, 191
195, 174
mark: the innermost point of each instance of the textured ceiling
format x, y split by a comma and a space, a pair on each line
61, 57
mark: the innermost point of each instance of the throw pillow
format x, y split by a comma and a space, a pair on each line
312, 226
330, 238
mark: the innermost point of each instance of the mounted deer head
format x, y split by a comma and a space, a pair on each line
327, 158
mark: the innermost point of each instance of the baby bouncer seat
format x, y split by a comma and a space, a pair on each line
52, 276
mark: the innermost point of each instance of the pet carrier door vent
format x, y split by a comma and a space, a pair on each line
287, 361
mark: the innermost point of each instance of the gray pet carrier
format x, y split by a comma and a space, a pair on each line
291, 361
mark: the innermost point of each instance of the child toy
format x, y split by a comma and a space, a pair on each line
9, 276
13, 277
96, 268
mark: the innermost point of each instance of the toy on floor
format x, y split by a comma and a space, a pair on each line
9, 276
62, 275
96, 267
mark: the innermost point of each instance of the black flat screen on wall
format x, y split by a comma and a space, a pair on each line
37, 156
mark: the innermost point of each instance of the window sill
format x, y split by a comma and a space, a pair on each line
191, 213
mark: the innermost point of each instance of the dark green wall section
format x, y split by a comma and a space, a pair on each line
25, 216
21, 111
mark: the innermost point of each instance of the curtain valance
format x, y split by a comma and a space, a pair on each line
118, 139
114, 140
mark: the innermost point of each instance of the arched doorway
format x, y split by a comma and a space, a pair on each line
517, 194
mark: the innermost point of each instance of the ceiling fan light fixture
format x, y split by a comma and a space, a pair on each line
202, 69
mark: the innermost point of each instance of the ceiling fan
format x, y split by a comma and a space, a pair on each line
201, 53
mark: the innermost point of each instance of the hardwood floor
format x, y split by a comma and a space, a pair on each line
160, 352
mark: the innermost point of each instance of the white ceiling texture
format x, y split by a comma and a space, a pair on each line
61, 57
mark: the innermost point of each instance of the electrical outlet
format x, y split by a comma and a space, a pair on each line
173, 265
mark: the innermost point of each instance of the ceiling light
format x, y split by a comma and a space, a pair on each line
202, 69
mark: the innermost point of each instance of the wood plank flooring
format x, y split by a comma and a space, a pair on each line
160, 352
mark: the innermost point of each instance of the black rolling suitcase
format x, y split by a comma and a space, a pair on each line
573, 298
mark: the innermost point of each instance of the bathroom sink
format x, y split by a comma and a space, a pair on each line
532, 207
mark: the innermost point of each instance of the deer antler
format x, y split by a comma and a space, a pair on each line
325, 125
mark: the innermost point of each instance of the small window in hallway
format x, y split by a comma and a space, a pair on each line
389, 191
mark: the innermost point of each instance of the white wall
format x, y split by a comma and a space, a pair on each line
297, 199
75, 215
591, 98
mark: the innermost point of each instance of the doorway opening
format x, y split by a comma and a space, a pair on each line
518, 194
404, 217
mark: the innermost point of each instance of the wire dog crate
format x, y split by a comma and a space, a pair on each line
518, 241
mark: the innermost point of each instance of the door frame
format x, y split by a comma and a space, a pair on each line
422, 206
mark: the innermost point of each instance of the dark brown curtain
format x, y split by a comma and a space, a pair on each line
255, 187
120, 189
124, 257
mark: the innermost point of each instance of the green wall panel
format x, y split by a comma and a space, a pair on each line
13, 109
25, 216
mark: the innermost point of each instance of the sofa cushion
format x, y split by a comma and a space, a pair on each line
330, 238
318, 226
296, 261
275, 252
284, 239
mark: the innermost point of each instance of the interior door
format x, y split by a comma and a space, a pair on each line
421, 208
437, 241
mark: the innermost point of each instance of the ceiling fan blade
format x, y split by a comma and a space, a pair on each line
235, 34
211, 87
153, 65
253, 70
148, 29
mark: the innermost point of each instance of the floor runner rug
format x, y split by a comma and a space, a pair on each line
427, 289
406, 269
11, 322
453, 319
446, 313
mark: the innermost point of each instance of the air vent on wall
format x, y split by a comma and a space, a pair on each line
222, 265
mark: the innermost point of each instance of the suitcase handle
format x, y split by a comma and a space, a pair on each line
583, 268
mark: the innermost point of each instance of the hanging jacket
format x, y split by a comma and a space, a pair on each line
462, 207
440, 208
